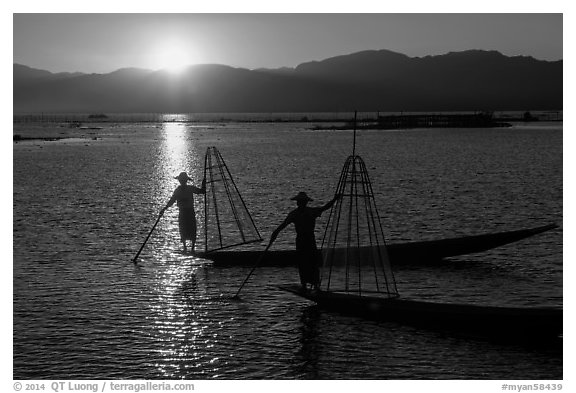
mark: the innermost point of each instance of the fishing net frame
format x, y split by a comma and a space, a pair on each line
354, 252
224, 198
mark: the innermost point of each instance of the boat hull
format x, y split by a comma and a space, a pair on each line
399, 254
537, 323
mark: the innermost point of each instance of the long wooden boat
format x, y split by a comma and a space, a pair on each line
400, 253
539, 323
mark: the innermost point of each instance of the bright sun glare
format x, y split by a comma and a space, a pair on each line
173, 56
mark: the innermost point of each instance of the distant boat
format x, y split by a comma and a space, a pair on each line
97, 116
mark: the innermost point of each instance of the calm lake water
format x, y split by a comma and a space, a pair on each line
83, 207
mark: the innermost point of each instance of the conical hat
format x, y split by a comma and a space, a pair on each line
301, 197
183, 176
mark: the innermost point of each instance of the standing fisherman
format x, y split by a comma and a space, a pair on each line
304, 220
184, 196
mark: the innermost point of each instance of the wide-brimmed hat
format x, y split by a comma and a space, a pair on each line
183, 176
301, 197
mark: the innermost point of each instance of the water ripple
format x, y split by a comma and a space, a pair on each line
83, 310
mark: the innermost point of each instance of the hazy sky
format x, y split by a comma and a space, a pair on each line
105, 42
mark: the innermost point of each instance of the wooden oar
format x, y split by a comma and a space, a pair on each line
147, 237
252, 271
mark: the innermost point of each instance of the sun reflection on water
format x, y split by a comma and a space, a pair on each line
182, 322
180, 313
180, 153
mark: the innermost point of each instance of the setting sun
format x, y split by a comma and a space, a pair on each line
173, 55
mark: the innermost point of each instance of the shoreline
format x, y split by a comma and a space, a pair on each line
17, 138
87, 121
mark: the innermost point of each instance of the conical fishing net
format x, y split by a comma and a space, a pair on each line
355, 258
227, 220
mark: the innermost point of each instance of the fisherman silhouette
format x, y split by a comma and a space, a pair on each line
304, 220
184, 196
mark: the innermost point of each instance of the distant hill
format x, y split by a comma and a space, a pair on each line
23, 73
365, 81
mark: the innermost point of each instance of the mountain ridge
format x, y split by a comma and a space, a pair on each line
370, 80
